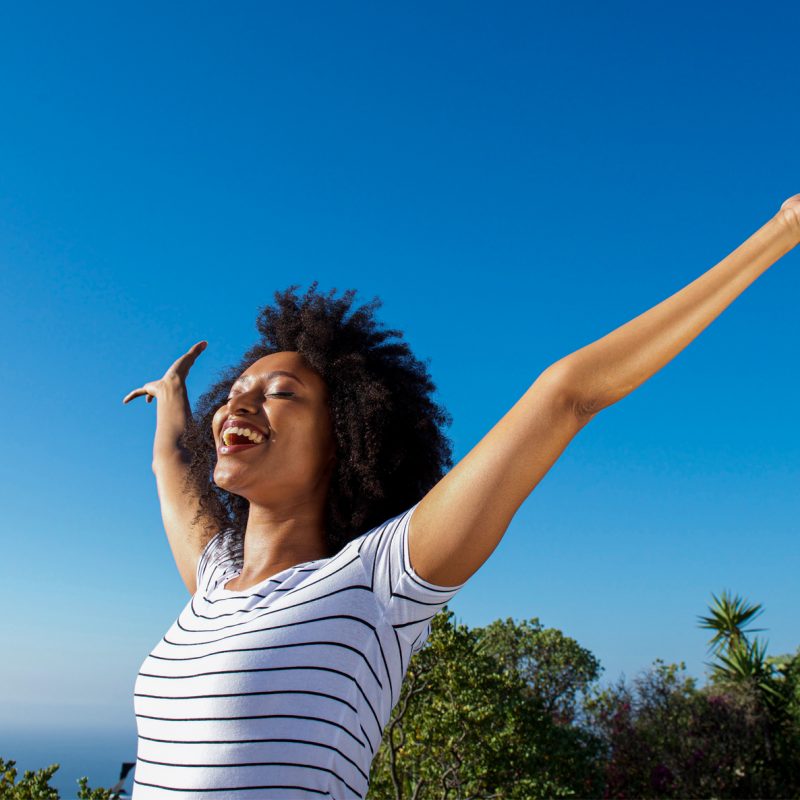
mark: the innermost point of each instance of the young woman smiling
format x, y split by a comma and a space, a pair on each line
318, 523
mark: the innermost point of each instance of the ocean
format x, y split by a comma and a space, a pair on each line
96, 753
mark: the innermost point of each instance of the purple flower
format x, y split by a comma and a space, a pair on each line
661, 778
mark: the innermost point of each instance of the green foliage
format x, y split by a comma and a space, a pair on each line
737, 737
36, 785
555, 668
740, 661
468, 725
788, 667
743, 668
494, 712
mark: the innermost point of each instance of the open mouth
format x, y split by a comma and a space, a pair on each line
240, 438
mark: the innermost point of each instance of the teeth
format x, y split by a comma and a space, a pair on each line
254, 436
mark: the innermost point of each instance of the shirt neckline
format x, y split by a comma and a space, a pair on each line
250, 590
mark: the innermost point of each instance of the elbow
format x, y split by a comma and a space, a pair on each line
563, 375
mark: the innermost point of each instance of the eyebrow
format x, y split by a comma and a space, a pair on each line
270, 375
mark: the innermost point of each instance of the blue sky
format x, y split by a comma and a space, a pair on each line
513, 180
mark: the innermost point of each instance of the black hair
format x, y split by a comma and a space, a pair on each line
390, 445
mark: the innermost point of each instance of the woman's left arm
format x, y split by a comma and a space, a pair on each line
605, 371
460, 521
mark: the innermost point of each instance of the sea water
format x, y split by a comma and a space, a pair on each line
96, 753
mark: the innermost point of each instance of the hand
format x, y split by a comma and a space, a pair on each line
174, 377
790, 211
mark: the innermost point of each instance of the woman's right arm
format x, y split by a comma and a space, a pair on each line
180, 504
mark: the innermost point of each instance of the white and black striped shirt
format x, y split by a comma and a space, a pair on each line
282, 690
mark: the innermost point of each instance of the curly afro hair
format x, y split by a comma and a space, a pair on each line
390, 447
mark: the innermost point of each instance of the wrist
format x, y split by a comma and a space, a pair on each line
173, 399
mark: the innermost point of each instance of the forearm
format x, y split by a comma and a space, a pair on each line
172, 415
610, 368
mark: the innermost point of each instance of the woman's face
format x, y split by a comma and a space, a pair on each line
292, 463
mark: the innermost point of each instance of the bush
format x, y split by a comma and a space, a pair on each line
665, 739
36, 785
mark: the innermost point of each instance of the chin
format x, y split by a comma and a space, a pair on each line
222, 481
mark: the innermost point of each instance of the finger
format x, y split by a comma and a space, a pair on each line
188, 358
196, 349
135, 393
183, 364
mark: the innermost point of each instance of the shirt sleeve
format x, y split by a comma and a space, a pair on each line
216, 556
408, 601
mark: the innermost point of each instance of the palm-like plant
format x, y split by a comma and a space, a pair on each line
742, 662
728, 618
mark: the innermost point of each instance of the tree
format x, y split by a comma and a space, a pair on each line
555, 667
667, 739
739, 660
742, 667
738, 736
467, 726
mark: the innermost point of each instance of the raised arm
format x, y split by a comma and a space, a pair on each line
605, 371
179, 506
460, 521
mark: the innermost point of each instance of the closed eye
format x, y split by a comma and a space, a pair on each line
270, 394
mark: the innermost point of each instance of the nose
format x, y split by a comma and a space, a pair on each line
244, 401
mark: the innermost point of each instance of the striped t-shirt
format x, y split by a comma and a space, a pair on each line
282, 690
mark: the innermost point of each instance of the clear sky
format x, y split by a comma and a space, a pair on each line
513, 180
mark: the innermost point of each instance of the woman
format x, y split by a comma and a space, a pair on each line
288, 499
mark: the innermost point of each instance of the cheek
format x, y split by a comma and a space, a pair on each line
319, 437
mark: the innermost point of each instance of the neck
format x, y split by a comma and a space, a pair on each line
280, 537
